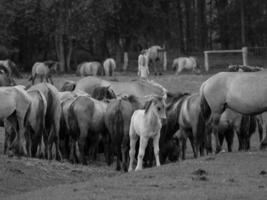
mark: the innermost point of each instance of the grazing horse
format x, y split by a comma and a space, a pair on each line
109, 66
101, 93
146, 123
117, 120
138, 88
243, 68
154, 55
10, 68
68, 86
89, 69
36, 122
242, 92
15, 108
43, 70
52, 118
189, 63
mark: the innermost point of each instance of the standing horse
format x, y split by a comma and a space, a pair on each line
143, 70
154, 55
52, 118
36, 122
191, 125
15, 108
109, 66
6, 80
117, 120
138, 88
89, 69
86, 119
43, 70
242, 92
231, 122
189, 63
146, 124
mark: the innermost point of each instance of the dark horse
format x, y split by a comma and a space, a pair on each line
117, 119
231, 122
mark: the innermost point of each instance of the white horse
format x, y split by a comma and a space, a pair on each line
155, 55
109, 66
188, 63
143, 70
146, 124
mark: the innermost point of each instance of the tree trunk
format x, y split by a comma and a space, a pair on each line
242, 15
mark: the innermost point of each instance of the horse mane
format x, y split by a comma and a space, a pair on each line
147, 105
153, 85
172, 98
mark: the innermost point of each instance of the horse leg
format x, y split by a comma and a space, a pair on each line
119, 157
141, 152
133, 140
229, 139
57, 139
194, 145
72, 150
156, 148
124, 149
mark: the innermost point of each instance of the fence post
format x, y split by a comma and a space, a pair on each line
206, 60
245, 55
165, 60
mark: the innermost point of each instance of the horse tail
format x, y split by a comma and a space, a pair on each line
259, 122
110, 65
119, 125
204, 106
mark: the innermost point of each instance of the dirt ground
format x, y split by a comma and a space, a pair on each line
237, 175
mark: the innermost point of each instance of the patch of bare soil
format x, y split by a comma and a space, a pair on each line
228, 176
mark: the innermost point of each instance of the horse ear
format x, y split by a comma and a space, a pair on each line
147, 105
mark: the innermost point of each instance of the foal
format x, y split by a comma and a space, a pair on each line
146, 124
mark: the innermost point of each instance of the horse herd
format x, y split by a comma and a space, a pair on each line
123, 119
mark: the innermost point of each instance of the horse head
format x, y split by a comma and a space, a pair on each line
157, 105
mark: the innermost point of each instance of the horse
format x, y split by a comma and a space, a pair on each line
191, 125
36, 122
109, 66
52, 118
181, 63
68, 85
15, 108
146, 123
139, 88
242, 92
154, 55
101, 93
143, 70
89, 69
86, 121
10, 68
6, 80
243, 68
117, 120
231, 122
43, 70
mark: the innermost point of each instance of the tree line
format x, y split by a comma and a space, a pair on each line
72, 31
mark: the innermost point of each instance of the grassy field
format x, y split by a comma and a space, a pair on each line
237, 175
